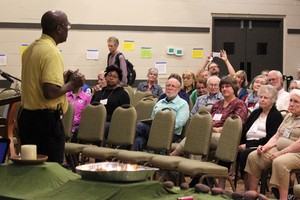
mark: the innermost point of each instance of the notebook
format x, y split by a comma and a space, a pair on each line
4, 146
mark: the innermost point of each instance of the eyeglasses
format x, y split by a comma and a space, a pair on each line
213, 85
68, 26
112, 76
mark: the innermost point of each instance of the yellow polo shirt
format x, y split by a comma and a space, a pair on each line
41, 63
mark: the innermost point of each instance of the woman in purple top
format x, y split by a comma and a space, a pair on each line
79, 99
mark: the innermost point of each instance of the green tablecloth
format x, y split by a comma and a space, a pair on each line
51, 181
27, 181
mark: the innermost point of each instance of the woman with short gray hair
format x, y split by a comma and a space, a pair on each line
151, 85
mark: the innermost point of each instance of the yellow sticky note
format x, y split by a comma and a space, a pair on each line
128, 45
146, 52
22, 49
197, 53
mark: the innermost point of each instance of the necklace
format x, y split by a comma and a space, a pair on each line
105, 92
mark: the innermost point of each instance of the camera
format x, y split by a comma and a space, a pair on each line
216, 54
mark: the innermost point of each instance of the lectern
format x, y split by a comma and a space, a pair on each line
8, 124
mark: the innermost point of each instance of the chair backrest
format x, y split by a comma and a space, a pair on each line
162, 130
130, 91
6, 93
230, 139
198, 134
205, 108
122, 126
144, 108
92, 123
284, 113
138, 95
68, 120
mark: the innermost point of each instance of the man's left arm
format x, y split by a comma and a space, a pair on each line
123, 67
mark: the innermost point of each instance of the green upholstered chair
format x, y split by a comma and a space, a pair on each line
121, 134
197, 142
138, 95
130, 91
144, 108
68, 120
297, 191
91, 131
205, 108
160, 139
226, 151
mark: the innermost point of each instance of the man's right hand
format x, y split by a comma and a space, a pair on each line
77, 79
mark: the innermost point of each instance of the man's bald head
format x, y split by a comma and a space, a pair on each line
55, 23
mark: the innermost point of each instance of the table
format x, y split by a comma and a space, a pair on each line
51, 181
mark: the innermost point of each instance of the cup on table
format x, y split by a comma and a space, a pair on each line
28, 152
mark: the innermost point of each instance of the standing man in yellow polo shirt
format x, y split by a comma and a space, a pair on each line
43, 96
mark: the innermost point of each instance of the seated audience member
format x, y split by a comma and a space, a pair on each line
189, 80
211, 97
173, 101
205, 74
200, 90
113, 94
151, 85
182, 94
221, 110
79, 99
241, 78
265, 72
101, 82
213, 67
294, 85
87, 89
261, 125
276, 79
252, 98
281, 152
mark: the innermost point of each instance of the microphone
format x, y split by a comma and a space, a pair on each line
6, 76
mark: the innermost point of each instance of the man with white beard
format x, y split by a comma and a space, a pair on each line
172, 101
276, 79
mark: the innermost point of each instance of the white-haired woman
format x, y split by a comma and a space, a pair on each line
252, 98
281, 151
151, 85
260, 126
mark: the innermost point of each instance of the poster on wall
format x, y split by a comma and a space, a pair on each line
2, 59
146, 52
161, 67
197, 53
22, 49
128, 45
92, 54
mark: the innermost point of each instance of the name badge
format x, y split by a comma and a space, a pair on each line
286, 133
217, 117
103, 101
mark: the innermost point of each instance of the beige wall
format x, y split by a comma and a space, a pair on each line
190, 13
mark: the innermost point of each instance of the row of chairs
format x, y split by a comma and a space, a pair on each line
121, 132
136, 96
198, 135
